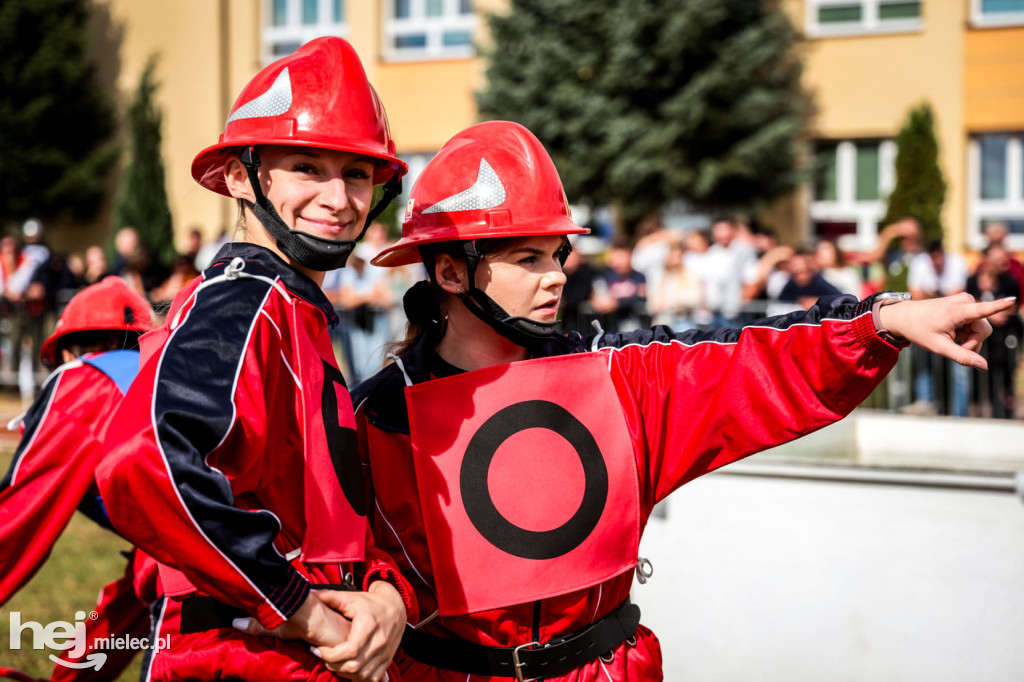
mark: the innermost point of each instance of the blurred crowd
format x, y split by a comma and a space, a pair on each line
736, 272
729, 274
37, 281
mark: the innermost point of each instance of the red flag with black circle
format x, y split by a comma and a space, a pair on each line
527, 481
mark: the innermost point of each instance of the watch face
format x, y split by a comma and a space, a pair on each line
894, 296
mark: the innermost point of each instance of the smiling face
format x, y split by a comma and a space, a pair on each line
320, 192
324, 193
526, 279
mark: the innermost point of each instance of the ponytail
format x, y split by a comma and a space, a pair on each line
426, 311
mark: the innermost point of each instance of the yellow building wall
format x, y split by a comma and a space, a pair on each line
994, 79
206, 51
427, 102
364, 21
865, 85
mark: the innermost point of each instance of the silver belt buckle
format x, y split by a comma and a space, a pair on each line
517, 664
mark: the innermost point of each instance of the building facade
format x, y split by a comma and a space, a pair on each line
419, 54
867, 62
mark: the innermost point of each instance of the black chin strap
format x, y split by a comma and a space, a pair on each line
309, 251
521, 331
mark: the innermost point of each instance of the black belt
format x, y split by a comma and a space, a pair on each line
199, 614
528, 661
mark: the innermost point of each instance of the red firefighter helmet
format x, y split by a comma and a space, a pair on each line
494, 179
110, 304
318, 96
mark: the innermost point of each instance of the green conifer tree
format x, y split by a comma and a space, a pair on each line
641, 102
142, 195
56, 125
920, 189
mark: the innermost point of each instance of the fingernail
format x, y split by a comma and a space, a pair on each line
1010, 298
241, 624
316, 652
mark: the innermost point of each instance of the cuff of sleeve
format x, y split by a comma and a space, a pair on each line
381, 570
876, 318
867, 332
282, 602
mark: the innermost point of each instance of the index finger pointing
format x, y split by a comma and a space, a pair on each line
976, 311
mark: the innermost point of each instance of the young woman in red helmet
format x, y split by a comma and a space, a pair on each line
234, 459
94, 355
519, 466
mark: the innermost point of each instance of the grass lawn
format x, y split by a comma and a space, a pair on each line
84, 559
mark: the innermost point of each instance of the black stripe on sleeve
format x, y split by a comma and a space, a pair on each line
193, 413
842, 307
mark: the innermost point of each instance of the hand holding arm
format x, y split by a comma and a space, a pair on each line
355, 633
378, 621
314, 622
939, 324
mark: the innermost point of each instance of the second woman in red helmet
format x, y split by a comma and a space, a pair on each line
515, 468
233, 461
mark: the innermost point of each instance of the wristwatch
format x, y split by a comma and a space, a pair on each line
887, 298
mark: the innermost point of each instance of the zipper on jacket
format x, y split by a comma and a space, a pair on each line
536, 621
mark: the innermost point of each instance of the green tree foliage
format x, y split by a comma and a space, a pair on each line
641, 102
55, 123
920, 188
142, 196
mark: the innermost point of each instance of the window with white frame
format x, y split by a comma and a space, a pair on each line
852, 181
290, 23
996, 185
848, 17
997, 12
429, 29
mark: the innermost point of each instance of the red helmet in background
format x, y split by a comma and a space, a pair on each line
318, 96
110, 304
494, 179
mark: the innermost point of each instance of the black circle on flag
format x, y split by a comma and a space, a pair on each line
476, 497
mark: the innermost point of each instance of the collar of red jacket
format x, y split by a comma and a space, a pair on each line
293, 280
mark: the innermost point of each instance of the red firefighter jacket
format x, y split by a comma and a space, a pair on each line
233, 457
52, 473
692, 402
